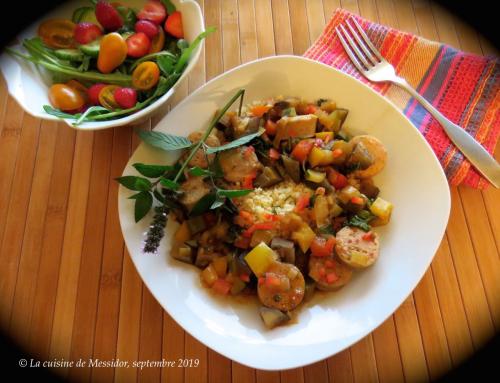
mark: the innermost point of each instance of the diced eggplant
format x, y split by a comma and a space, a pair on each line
238, 286
259, 236
285, 249
267, 178
196, 224
194, 189
339, 116
302, 261
204, 256
298, 126
273, 317
368, 188
360, 157
292, 167
184, 254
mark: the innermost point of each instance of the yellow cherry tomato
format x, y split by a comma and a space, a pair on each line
57, 33
158, 41
107, 98
112, 52
146, 75
64, 97
80, 88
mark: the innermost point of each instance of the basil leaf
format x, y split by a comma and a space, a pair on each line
152, 171
199, 172
169, 6
143, 203
233, 193
164, 141
203, 205
80, 13
135, 183
169, 184
234, 144
160, 197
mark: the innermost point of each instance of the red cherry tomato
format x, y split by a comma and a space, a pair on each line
125, 97
173, 25
153, 11
93, 93
108, 16
138, 45
147, 27
86, 32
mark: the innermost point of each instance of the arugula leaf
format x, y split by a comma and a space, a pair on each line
170, 7
187, 52
233, 193
80, 13
143, 203
135, 183
169, 184
166, 63
56, 112
361, 220
152, 171
129, 17
92, 110
234, 144
164, 141
328, 229
199, 172
203, 204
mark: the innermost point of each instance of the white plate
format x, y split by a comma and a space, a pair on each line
29, 85
413, 180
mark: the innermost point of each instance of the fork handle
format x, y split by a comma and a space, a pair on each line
472, 149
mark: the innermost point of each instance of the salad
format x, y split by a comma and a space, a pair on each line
275, 200
110, 60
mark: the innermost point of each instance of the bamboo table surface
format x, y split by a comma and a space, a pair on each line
68, 288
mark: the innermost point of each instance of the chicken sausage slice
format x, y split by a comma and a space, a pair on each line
328, 273
356, 247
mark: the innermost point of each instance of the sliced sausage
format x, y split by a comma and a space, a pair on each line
328, 273
239, 163
356, 247
287, 293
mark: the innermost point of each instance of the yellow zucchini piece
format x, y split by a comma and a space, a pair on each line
382, 209
209, 275
321, 211
314, 176
220, 266
325, 136
260, 258
319, 157
304, 236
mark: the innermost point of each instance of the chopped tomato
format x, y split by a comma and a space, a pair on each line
245, 277
249, 150
258, 226
270, 127
107, 97
261, 280
357, 200
322, 247
272, 280
158, 41
80, 88
248, 180
337, 152
271, 217
221, 286
302, 202
329, 264
322, 272
274, 154
301, 151
246, 217
311, 109
173, 25
336, 179
368, 236
93, 93
86, 32
242, 242
259, 110
331, 277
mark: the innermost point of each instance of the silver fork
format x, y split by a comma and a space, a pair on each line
374, 67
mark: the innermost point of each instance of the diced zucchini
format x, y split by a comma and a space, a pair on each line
359, 259
320, 157
347, 193
304, 236
314, 176
183, 254
273, 317
238, 286
338, 117
321, 211
345, 149
381, 208
292, 167
267, 178
260, 258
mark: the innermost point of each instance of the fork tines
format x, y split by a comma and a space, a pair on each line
360, 50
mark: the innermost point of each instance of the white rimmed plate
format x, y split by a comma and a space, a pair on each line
413, 180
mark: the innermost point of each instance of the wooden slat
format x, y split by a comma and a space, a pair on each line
195, 350
172, 349
219, 370
248, 31
385, 344
300, 27
315, 19
340, 367
230, 34
242, 373
363, 361
274, 376
316, 372
213, 43
282, 29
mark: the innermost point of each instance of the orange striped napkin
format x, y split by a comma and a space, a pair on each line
463, 86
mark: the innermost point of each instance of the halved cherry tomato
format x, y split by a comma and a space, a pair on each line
322, 247
302, 149
80, 88
107, 97
112, 52
153, 11
64, 97
138, 45
86, 32
146, 75
173, 25
93, 93
158, 41
57, 33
